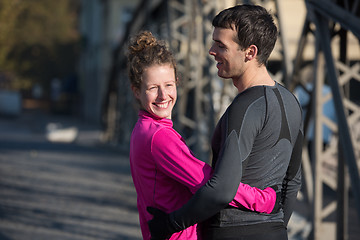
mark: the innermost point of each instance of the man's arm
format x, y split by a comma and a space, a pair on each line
175, 159
220, 189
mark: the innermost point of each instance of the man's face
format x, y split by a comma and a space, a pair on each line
227, 53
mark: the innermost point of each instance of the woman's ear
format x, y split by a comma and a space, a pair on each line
136, 91
251, 53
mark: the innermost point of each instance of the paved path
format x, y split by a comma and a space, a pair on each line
52, 190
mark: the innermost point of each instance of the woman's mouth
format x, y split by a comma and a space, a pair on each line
162, 105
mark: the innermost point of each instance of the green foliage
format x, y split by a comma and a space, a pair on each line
38, 39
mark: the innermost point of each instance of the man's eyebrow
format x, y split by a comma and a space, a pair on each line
218, 41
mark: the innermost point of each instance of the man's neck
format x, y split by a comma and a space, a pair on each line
253, 77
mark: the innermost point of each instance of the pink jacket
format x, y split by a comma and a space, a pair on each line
166, 174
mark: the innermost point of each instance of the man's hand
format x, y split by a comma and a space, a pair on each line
160, 226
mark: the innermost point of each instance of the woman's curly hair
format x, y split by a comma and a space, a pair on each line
144, 51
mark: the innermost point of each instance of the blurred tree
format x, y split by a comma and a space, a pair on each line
38, 40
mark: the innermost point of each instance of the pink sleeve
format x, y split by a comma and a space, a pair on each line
172, 155
254, 198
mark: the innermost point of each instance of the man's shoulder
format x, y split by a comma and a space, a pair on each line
250, 97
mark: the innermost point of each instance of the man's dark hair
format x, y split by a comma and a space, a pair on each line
253, 24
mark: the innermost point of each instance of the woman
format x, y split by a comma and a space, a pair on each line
164, 170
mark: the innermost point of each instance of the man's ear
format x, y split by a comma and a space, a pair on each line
251, 53
136, 91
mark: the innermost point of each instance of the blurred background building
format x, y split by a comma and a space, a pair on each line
68, 57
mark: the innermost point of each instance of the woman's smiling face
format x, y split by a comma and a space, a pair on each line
157, 94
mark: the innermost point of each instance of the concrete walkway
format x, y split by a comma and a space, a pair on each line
67, 187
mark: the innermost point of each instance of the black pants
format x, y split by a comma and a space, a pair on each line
268, 231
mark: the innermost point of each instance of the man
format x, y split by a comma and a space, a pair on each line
261, 129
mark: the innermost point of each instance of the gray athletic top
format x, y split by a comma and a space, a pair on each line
257, 141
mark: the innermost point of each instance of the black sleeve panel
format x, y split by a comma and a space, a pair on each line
293, 179
217, 192
290, 199
295, 160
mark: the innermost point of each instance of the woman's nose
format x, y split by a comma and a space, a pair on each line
162, 93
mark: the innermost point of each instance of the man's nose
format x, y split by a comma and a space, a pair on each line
211, 51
